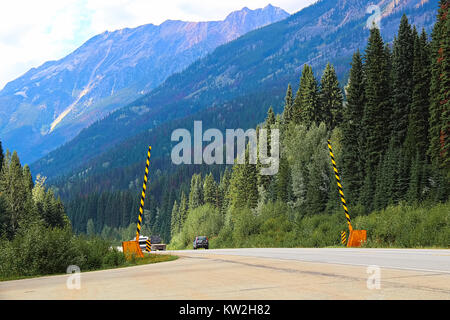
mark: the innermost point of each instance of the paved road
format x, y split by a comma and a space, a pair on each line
259, 274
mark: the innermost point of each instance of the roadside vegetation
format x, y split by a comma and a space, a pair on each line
399, 226
36, 237
390, 139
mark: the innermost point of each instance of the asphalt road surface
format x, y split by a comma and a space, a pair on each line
268, 274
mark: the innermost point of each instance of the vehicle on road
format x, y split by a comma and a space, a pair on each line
201, 242
155, 241
142, 241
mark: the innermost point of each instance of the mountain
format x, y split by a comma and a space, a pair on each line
234, 85
49, 105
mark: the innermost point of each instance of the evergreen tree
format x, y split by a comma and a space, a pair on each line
417, 137
13, 189
330, 99
352, 160
284, 181
90, 228
439, 121
210, 190
377, 111
288, 113
175, 220
306, 103
2, 156
183, 208
28, 179
270, 120
196, 192
402, 72
223, 190
318, 181
250, 179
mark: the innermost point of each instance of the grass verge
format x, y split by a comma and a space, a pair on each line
148, 259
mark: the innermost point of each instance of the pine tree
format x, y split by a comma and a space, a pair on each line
210, 190
318, 181
415, 180
330, 99
175, 220
417, 137
5, 223
223, 190
183, 209
13, 189
402, 71
352, 138
439, 130
306, 103
288, 113
270, 119
28, 179
90, 228
2, 156
377, 111
196, 192
250, 179
283, 181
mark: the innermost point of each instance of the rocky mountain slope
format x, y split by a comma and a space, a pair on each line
49, 105
234, 85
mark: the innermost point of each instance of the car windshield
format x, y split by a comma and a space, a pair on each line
201, 238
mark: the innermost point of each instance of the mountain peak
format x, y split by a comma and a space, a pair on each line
107, 72
276, 12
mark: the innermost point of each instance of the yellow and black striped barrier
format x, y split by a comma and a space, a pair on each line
356, 237
343, 237
144, 188
341, 192
148, 245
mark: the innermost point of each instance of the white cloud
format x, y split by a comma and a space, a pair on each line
33, 32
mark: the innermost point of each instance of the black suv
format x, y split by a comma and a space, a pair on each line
201, 242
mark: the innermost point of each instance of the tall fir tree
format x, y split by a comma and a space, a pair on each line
352, 138
439, 130
288, 112
306, 103
377, 112
330, 99
12, 187
175, 220
196, 192
183, 208
284, 181
402, 72
210, 190
2, 156
417, 136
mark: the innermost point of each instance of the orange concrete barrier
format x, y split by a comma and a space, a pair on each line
357, 238
132, 248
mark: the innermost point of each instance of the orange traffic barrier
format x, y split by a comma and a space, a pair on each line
132, 248
357, 238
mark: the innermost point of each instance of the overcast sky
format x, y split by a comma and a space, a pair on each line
33, 32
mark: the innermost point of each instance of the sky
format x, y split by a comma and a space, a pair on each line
33, 32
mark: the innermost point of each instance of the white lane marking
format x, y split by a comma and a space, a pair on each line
235, 252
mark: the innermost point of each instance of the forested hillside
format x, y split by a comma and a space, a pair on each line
36, 236
390, 141
389, 132
253, 71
